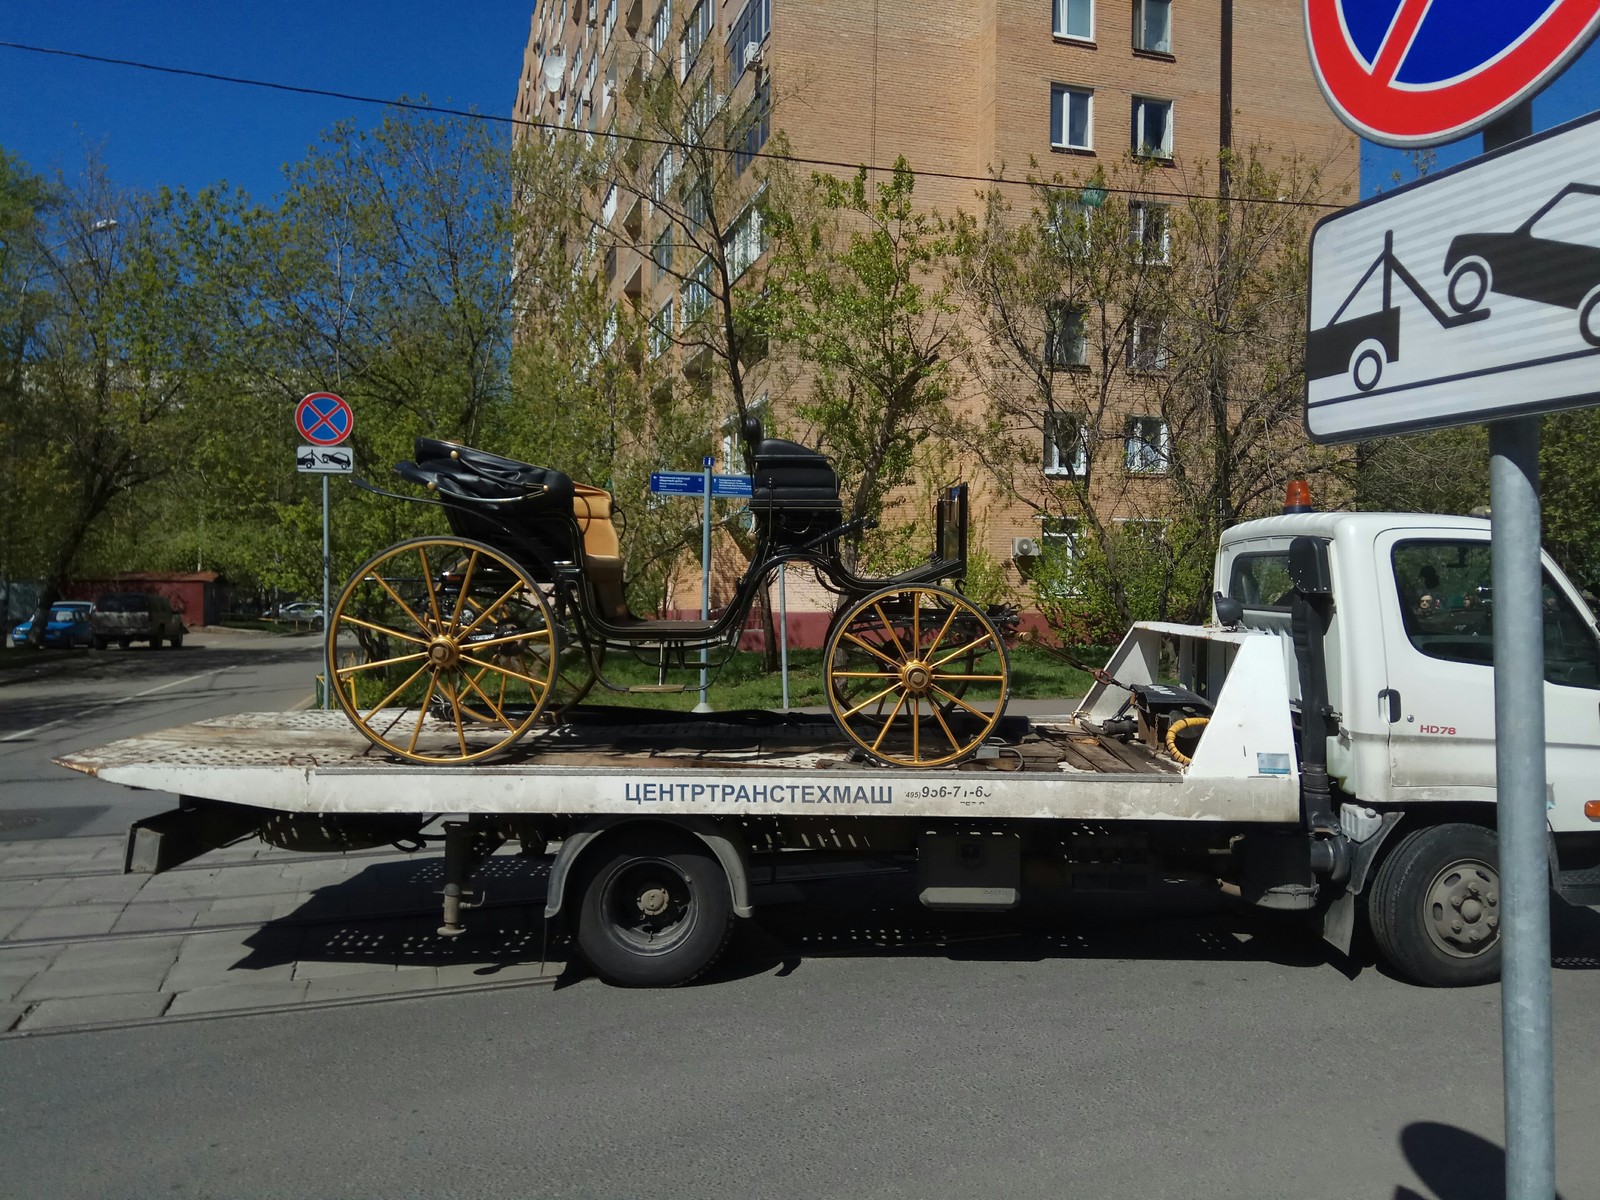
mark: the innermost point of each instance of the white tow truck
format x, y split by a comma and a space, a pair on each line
1325, 744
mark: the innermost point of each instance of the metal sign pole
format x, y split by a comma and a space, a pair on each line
1525, 1022
783, 630
327, 663
705, 569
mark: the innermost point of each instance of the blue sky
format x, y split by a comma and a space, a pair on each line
156, 129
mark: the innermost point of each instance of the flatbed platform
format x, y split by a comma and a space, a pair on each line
610, 760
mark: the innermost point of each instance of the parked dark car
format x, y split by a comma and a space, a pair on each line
128, 617
68, 626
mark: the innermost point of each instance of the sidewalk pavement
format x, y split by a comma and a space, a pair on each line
248, 929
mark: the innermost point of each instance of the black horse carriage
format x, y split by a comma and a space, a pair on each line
448, 649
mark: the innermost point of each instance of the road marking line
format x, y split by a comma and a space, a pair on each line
22, 733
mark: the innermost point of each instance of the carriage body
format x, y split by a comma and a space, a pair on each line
509, 620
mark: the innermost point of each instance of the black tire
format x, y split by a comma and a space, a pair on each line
623, 875
99, 643
125, 643
155, 639
1435, 889
177, 638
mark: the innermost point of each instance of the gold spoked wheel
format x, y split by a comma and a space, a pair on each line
444, 650
917, 677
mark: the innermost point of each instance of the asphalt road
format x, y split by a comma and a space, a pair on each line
72, 699
852, 1044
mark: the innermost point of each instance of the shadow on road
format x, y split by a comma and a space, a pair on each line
1453, 1164
389, 913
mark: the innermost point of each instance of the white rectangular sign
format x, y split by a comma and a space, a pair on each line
325, 460
1465, 297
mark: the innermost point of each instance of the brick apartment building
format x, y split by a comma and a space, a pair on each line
957, 87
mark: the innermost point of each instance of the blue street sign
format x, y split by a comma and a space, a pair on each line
692, 483
708, 461
678, 483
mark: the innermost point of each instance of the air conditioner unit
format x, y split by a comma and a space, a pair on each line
1024, 547
752, 55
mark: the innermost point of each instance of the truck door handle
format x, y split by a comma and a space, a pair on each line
1393, 697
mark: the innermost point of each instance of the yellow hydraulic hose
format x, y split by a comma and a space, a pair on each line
1178, 727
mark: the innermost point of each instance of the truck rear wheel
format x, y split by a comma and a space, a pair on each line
654, 909
1434, 908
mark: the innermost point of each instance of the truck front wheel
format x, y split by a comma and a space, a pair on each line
1434, 908
654, 911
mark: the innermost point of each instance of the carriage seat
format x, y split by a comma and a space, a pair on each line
787, 475
602, 551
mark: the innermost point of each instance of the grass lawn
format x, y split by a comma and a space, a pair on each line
1035, 675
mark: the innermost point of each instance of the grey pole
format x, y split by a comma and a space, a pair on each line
327, 617
1525, 1024
705, 570
783, 630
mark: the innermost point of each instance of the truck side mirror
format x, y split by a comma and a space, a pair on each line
1308, 567
1229, 611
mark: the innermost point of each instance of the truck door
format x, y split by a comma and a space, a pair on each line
1437, 604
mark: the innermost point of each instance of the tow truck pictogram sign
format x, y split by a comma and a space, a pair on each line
1468, 296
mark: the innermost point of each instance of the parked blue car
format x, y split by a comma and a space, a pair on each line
68, 626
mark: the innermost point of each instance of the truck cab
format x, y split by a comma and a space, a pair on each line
1410, 654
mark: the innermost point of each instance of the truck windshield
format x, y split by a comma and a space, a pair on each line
1447, 604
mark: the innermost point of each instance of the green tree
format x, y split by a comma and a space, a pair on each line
1143, 368
861, 289
106, 370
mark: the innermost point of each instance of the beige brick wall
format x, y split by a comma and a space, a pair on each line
962, 87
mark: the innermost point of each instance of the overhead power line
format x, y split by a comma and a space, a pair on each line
520, 123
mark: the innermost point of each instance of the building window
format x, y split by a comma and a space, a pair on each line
697, 292
698, 113
697, 203
1146, 446
610, 21
1060, 554
1065, 344
1066, 446
750, 28
661, 254
695, 32
661, 178
661, 27
1146, 353
1152, 127
755, 126
1149, 231
661, 331
1068, 225
1152, 26
1069, 117
1074, 19
745, 242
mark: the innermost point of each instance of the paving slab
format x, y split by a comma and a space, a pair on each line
230, 996
104, 890
59, 982
93, 1010
373, 983
459, 973
135, 952
10, 1014
70, 922
159, 915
